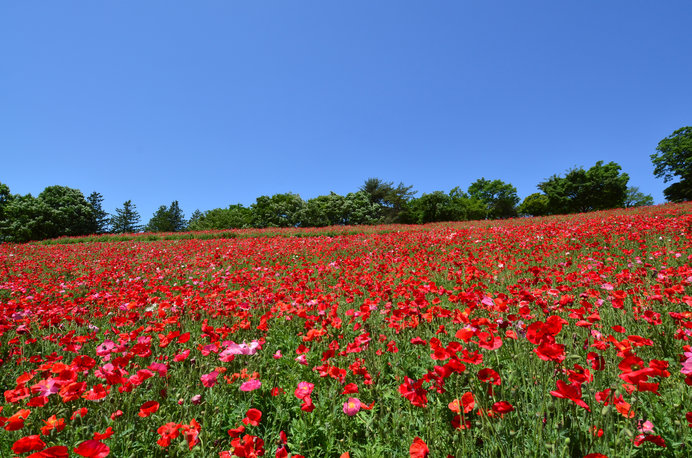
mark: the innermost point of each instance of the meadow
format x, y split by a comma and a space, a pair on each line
556, 336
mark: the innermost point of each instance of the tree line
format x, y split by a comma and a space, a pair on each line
62, 211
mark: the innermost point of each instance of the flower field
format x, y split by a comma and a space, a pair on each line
561, 336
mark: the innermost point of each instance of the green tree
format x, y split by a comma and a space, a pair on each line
535, 204
674, 159
126, 219
393, 201
320, 211
194, 220
279, 210
635, 198
358, 209
233, 217
599, 188
23, 219
434, 207
5, 195
68, 213
167, 219
99, 218
499, 197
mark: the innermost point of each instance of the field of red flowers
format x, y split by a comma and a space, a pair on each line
563, 336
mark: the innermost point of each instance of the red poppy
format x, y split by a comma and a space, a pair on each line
237, 431
307, 405
571, 392
550, 352
168, 432
419, 449
191, 433
92, 449
105, 435
28, 444
53, 423
502, 407
489, 376
350, 389
252, 417
641, 438
79, 413
16, 421
148, 408
58, 451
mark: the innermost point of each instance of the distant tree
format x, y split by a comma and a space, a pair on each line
99, 218
68, 213
23, 219
320, 211
233, 217
607, 186
194, 220
167, 219
499, 197
635, 198
358, 209
5, 197
674, 159
434, 207
599, 188
126, 219
392, 200
336, 210
279, 210
535, 204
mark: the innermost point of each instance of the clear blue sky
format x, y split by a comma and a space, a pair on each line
213, 103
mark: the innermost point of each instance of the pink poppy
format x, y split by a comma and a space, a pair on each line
250, 385
352, 406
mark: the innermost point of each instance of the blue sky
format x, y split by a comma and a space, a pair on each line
213, 103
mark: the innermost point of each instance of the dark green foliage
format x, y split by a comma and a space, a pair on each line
167, 219
600, 188
194, 219
393, 201
99, 218
674, 159
434, 207
5, 197
67, 212
500, 198
535, 204
23, 219
233, 217
58, 211
279, 210
126, 219
438, 206
335, 210
635, 198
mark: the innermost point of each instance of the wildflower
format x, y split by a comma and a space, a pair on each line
251, 385
209, 380
92, 449
148, 408
252, 417
304, 389
168, 432
571, 392
419, 449
352, 406
53, 423
28, 444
